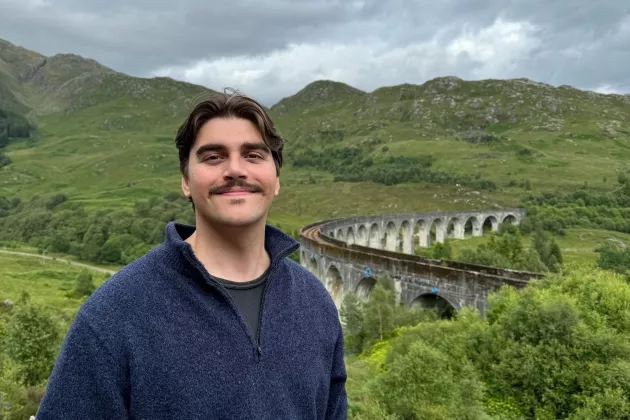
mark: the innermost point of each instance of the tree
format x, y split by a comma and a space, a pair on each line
352, 321
4, 159
32, 339
378, 312
421, 385
509, 245
555, 344
540, 245
56, 200
60, 242
94, 238
528, 224
84, 284
4, 138
113, 248
554, 250
442, 250
555, 257
613, 257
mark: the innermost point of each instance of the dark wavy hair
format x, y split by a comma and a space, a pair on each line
229, 104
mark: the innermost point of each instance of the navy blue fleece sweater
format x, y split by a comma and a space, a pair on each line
162, 340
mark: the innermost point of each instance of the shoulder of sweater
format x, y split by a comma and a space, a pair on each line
120, 293
300, 275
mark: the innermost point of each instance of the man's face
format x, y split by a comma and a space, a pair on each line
231, 173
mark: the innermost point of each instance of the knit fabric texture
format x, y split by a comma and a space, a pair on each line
161, 339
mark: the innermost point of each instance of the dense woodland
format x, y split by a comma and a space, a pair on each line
353, 164
55, 225
558, 349
12, 126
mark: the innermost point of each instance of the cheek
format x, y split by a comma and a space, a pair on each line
270, 181
200, 180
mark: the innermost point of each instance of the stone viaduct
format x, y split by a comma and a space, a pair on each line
350, 254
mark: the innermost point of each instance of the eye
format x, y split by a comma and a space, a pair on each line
254, 156
211, 157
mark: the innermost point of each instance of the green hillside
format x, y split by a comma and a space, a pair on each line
106, 139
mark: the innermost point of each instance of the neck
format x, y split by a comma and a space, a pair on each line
231, 253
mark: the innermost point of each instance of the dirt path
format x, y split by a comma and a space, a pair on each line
77, 264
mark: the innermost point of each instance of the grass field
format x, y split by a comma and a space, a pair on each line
46, 282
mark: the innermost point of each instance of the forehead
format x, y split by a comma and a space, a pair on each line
230, 132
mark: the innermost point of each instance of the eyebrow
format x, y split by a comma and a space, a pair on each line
215, 147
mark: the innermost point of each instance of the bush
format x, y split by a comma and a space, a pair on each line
4, 159
84, 284
479, 137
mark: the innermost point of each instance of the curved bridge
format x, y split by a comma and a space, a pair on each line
350, 254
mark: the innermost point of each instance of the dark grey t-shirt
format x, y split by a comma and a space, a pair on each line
248, 298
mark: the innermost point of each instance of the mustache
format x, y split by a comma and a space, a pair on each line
237, 183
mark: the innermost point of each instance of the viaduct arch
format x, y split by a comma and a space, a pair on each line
350, 254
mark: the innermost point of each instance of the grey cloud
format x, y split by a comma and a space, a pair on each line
140, 36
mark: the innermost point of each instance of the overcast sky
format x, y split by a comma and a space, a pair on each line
272, 48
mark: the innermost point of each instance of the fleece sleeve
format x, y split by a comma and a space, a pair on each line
87, 381
337, 400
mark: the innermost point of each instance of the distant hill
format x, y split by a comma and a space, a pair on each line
452, 107
106, 138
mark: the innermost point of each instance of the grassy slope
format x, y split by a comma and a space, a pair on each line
47, 282
15, 64
570, 145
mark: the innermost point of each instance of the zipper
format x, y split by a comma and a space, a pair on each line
255, 340
213, 283
270, 278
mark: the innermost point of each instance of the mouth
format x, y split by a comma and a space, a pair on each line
236, 192
238, 188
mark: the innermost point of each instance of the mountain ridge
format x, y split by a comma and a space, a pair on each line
68, 82
30, 63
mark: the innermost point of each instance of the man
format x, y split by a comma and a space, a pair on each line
216, 322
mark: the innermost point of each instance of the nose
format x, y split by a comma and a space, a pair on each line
234, 168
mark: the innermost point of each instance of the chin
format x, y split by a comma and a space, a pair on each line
235, 219
240, 222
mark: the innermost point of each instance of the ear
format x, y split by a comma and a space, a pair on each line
277, 189
185, 187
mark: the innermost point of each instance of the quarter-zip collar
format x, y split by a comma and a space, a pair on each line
277, 243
